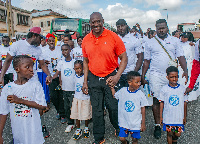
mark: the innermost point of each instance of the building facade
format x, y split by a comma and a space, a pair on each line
22, 19
43, 19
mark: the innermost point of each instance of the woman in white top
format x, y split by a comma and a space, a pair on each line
189, 52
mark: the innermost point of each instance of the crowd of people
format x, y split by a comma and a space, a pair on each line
83, 76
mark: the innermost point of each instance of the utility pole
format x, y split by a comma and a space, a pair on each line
9, 19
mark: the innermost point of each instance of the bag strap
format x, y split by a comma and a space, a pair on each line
163, 48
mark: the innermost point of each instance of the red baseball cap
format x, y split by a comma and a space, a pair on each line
36, 30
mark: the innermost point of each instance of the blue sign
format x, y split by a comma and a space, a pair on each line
67, 72
174, 100
129, 106
78, 87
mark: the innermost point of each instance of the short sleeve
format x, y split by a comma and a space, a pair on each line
40, 53
185, 98
119, 44
138, 47
147, 52
4, 104
117, 94
179, 49
13, 49
161, 96
59, 65
143, 101
83, 48
39, 95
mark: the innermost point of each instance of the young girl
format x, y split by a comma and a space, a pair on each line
23, 99
81, 106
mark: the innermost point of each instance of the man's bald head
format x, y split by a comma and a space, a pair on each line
96, 14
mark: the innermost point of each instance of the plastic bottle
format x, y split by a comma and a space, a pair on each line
147, 90
10, 90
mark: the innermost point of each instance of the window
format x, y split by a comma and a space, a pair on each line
48, 23
41, 24
22, 19
2, 15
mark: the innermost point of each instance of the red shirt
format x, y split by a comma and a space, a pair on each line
102, 52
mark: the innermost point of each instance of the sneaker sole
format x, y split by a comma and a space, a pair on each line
47, 136
78, 137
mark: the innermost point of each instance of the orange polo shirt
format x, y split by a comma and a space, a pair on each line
102, 52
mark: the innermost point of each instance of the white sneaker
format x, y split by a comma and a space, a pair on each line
69, 128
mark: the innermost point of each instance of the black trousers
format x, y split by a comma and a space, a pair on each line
100, 92
57, 97
68, 98
8, 78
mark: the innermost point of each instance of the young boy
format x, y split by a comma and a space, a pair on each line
65, 68
174, 102
131, 108
23, 98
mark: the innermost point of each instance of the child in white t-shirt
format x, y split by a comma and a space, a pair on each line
23, 99
173, 106
65, 68
131, 108
81, 105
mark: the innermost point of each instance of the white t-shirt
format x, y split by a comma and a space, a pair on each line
77, 52
53, 57
78, 88
173, 98
129, 108
133, 47
3, 54
59, 43
25, 121
67, 74
159, 58
22, 47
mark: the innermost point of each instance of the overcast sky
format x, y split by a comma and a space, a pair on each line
144, 12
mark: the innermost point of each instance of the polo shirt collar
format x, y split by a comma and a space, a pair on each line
104, 33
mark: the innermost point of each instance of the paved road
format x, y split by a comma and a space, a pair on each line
58, 136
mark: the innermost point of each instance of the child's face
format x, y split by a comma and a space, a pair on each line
65, 40
79, 41
78, 69
25, 68
65, 51
135, 83
173, 78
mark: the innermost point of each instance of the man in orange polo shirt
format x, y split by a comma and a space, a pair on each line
101, 49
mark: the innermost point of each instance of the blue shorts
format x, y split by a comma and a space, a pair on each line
173, 127
125, 132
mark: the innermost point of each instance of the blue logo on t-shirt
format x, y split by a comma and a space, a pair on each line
174, 100
67, 72
78, 87
129, 106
